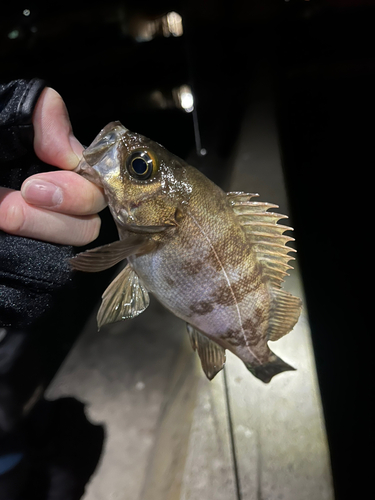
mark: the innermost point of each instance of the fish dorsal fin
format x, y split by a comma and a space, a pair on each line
212, 355
265, 234
285, 310
268, 240
125, 298
106, 256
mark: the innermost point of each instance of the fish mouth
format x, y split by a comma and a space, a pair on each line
88, 172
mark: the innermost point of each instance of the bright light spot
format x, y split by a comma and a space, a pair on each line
174, 22
203, 152
185, 98
26, 12
145, 30
187, 101
13, 34
140, 386
171, 24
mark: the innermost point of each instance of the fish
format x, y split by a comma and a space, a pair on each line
215, 259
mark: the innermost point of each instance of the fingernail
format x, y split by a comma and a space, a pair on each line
42, 193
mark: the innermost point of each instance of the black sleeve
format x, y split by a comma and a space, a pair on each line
30, 270
17, 102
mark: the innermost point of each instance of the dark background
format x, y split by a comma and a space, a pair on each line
322, 61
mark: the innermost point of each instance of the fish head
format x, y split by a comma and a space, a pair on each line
144, 184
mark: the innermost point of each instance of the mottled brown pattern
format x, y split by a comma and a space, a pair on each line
213, 262
223, 295
233, 337
170, 281
250, 328
236, 292
202, 308
192, 267
246, 285
260, 313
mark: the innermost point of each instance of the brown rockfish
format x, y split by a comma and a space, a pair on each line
215, 259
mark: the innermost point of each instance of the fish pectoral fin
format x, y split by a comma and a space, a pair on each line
212, 355
150, 229
106, 256
125, 298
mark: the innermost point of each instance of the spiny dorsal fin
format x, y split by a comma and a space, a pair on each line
239, 196
125, 298
266, 235
212, 355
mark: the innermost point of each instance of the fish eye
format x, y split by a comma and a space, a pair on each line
140, 165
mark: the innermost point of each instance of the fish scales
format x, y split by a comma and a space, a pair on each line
215, 285
190, 249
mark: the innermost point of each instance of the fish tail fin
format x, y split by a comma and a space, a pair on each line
266, 371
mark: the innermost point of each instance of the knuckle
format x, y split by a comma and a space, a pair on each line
12, 217
90, 231
90, 201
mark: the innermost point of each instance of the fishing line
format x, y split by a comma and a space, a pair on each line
197, 136
231, 436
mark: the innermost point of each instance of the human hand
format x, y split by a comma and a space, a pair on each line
61, 206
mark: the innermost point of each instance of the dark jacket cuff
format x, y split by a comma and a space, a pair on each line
17, 102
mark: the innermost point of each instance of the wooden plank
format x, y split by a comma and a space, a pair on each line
280, 442
209, 472
166, 465
279, 435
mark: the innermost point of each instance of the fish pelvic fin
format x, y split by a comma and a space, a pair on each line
125, 298
267, 371
212, 355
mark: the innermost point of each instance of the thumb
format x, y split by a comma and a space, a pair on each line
54, 141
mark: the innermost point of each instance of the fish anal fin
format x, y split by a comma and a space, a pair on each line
106, 256
267, 371
285, 310
124, 298
212, 355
